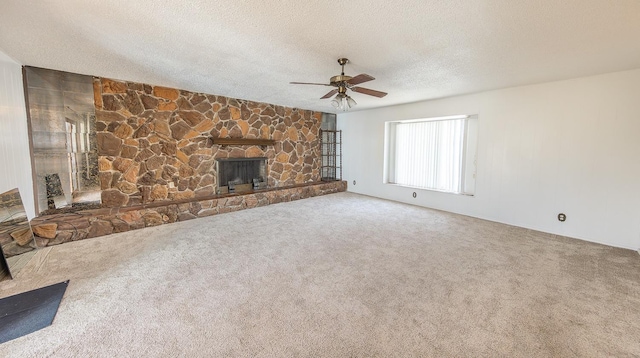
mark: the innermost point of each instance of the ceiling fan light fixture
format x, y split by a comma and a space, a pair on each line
351, 102
343, 102
335, 103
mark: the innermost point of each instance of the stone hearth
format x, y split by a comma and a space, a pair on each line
105, 221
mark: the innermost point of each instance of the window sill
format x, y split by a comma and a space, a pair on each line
429, 189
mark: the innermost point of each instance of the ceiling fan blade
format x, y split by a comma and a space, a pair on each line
309, 83
331, 93
360, 79
368, 91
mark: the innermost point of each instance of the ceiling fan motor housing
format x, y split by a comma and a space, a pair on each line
336, 80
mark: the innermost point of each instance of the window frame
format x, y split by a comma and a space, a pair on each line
468, 159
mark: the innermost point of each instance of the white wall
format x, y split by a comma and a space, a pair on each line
15, 160
569, 146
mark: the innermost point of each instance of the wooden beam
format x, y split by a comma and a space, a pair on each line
243, 141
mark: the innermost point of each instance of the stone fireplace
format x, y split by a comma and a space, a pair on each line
163, 144
239, 175
167, 155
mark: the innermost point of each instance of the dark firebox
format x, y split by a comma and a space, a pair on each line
241, 174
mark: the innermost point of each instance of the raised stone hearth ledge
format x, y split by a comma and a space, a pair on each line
98, 222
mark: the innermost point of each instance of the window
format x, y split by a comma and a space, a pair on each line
434, 153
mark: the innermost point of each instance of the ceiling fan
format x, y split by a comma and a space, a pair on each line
343, 83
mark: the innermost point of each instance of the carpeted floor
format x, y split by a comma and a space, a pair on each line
341, 275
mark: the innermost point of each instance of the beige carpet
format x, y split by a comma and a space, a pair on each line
341, 275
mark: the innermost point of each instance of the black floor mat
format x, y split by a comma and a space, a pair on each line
30, 311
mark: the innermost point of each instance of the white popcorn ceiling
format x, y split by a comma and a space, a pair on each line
417, 50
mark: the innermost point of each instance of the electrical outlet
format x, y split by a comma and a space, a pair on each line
562, 217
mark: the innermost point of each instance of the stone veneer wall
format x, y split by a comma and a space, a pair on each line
155, 143
56, 229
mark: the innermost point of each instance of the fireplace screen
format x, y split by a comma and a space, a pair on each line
241, 174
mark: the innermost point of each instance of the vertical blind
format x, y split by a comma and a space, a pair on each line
429, 154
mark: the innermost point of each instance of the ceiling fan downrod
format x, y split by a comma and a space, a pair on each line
341, 78
343, 61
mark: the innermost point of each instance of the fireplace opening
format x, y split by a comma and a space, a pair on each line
238, 175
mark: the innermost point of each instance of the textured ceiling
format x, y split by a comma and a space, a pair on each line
250, 49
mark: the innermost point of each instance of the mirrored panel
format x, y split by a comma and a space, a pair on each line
63, 132
16, 237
